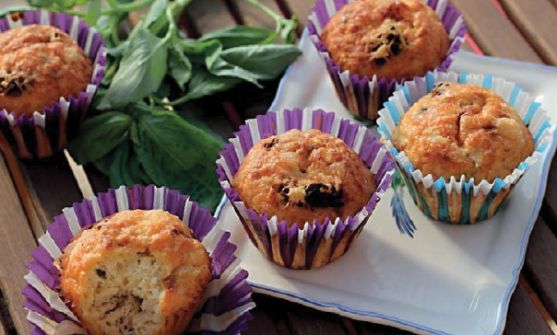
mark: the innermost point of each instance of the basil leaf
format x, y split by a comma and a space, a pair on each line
241, 35
177, 154
199, 52
99, 135
93, 12
265, 62
142, 69
222, 68
125, 168
179, 66
155, 12
204, 83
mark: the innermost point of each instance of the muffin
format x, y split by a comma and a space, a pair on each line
370, 46
395, 39
50, 68
38, 65
303, 176
303, 184
462, 142
135, 272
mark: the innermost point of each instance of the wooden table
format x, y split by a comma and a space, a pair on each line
32, 193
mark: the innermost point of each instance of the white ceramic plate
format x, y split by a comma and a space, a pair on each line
447, 279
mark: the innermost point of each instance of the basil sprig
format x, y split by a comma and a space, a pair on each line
136, 137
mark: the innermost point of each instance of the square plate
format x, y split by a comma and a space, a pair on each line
448, 279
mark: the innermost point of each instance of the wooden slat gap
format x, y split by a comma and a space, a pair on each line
6, 323
524, 281
549, 215
234, 11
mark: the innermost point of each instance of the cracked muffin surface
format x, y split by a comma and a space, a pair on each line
136, 272
302, 176
396, 39
463, 129
39, 64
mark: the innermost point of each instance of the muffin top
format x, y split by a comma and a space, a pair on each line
396, 39
135, 272
301, 176
38, 65
462, 129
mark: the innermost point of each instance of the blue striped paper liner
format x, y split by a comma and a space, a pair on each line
484, 196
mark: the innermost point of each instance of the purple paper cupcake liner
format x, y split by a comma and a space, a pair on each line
316, 243
227, 300
361, 95
46, 132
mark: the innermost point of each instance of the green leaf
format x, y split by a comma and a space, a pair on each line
99, 135
41, 3
204, 83
93, 12
265, 62
156, 11
179, 66
177, 154
222, 68
125, 168
241, 35
142, 69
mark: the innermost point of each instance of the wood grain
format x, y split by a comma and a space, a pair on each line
16, 245
542, 268
551, 194
209, 15
303, 321
253, 16
523, 318
536, 20
298, 8
494, 32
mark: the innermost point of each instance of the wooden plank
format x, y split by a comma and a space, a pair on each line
261, 323
494, 32
16, 245
298, 8
253, 16
536, 22
375, 329
303, 321
523, 317
209, 15
542, 268
550, 207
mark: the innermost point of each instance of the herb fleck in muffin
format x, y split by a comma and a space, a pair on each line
302, 176
39, 64
136, 272
395, 39
463, 129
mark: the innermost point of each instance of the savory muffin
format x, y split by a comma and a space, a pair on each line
39, 64
462, 129
396, 39
302, 176
136, 272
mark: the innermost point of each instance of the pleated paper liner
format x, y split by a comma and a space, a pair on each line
460, 200
227, 300
316, 243
361, 95
47, 131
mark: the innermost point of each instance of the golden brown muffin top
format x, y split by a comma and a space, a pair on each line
300, 176
389, 38
132, 267
38, 65
462, 129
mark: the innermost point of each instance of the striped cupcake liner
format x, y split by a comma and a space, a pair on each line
361, 95
315, 243
460, 200
227, 299
46, 132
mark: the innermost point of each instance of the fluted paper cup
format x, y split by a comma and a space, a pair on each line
227, 300
315, 243
460, 200
47, 131
361, 95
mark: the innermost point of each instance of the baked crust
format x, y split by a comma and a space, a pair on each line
136, 272
396, 39
38, 65
462, 129
302, 176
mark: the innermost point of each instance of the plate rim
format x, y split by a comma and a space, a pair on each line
393, 320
